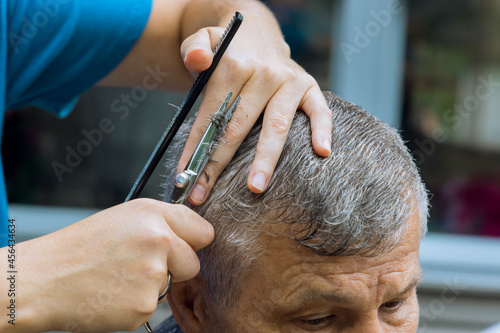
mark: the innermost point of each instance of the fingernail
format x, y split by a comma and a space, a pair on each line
198, 193
327, 145
259, 181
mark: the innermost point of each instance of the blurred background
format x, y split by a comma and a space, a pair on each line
429, 68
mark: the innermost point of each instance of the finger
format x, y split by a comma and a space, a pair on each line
213, 96
196, 50
182, 261
188, 233
254, 97
314, 105
278, 117
188, 226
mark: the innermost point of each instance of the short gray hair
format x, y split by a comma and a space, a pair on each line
356, 201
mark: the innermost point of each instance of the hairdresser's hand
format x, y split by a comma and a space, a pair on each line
105, 273
256, 65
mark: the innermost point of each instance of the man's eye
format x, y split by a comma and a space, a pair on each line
392, 306
313, 324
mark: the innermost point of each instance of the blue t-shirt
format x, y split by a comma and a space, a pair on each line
51, 51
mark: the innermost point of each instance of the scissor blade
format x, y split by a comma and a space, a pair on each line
223, 107
203, 151
231, 110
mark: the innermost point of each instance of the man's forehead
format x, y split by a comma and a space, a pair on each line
286, 263
280, 239
294, 278
368, 240
286, 256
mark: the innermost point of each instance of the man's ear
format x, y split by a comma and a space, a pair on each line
187, 302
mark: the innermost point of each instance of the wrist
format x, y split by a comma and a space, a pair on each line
35, 308
17, 297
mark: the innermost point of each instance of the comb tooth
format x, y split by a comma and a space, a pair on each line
225, 33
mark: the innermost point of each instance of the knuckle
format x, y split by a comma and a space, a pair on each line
266, 73
327, 114
237, 66
326, 127
265, 157
155, 236
144, 309
144, 216
163, 237
154, 271
158, 272
139, 310
279, 123
310, 85
289, 73
327, 111
311, 81
233, 132
180, 211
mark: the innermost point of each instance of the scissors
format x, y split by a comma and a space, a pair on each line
207, 143
185, 180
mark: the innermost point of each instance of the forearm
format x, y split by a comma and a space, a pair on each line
157, 49
208, 13
172, 21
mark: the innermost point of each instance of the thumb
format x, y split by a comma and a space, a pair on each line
188, 225
196, 51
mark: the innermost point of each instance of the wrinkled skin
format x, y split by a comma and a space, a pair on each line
293, 290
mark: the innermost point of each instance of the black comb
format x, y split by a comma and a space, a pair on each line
184, 109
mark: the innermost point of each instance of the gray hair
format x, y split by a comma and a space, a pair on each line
356, 201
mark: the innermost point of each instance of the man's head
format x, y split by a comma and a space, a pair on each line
332, 245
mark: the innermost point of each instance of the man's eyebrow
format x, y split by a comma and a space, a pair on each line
314, 295
414, 281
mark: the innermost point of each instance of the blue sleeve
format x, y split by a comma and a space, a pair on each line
57, 49
51, 51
